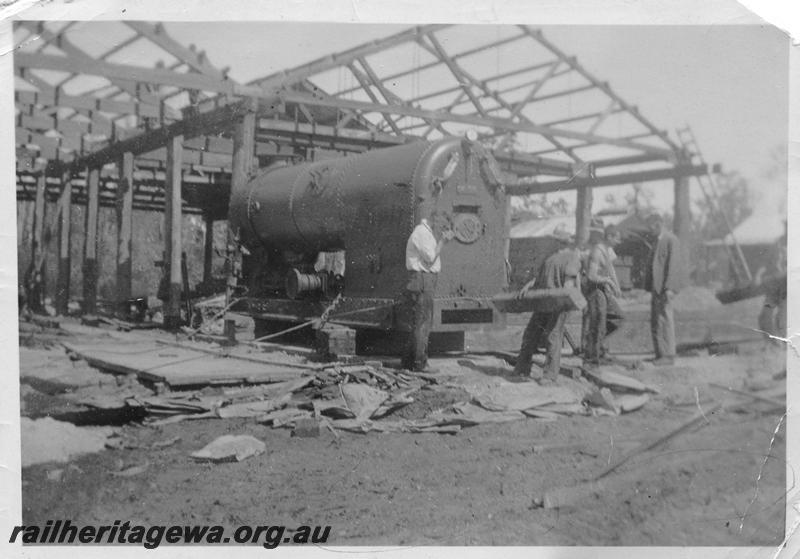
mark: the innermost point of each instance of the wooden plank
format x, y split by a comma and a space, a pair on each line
177, 366
172, 230
736, 294
90, 242
541, 300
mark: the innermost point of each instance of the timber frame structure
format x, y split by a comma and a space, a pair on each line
96, 130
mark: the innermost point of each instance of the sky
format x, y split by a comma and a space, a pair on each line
728, 82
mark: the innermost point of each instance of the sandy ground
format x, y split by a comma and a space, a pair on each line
721, 483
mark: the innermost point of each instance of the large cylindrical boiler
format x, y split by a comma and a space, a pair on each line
315, 206
366, 206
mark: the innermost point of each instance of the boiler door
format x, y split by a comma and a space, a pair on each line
467, 228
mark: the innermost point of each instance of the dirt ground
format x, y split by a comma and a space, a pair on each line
720, 483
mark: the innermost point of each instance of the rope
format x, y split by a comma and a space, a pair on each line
325, 317
213, 318
322, 320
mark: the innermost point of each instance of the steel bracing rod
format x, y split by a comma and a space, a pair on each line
367, 87
495, 92
538, 36
503, 103
534, 90
458, 56
299, 73
350, 113
578, 118
439, 116
623, 138
432, 127
461, 76
601, 118
555, 95
387, 94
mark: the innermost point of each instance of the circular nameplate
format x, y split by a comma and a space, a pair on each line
467, 228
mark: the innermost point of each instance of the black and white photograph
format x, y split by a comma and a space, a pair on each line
405, 284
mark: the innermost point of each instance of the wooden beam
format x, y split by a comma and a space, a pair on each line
454, 68
65, 45
208, 248
199, 124
609, 180
299, 73
365, 85
522, 163
64, 261
157, 34
36, 269
172, 231
458, 56
539, 37
519, 106
241, 167
583, 215
124, 207
185, 80
682, 222
493, 122
87, 102
90, 270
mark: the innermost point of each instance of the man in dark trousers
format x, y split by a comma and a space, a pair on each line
547, 328
423, 265
602, 292
664, 278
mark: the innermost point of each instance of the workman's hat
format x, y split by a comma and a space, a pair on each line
561, 233
596, 224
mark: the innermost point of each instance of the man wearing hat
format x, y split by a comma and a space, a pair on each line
664, 278
547, 329
602, 290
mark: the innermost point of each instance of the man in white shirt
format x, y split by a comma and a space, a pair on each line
423, 264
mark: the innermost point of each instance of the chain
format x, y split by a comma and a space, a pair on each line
324, 316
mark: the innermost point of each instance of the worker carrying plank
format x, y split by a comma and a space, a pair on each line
547, 328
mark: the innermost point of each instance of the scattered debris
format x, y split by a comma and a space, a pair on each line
230, 448
165, 443
306, 427
132, 470
603, 399
607, 377
181, 367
